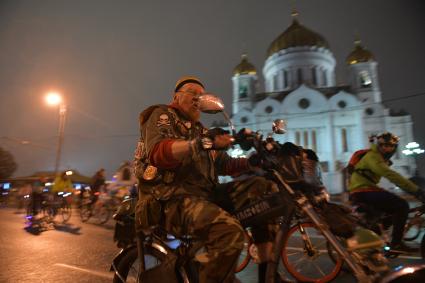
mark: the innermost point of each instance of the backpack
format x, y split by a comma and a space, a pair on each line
355, 158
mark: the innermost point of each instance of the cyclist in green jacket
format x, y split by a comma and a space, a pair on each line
364, 187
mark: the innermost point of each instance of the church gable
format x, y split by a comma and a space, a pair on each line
268, 107
305, 100
344, 101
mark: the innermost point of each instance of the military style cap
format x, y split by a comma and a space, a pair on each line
186, 80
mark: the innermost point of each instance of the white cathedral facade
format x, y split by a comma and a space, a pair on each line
334, 120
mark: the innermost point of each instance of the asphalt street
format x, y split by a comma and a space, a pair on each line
76, 252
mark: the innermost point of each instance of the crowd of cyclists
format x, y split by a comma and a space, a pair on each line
42, 197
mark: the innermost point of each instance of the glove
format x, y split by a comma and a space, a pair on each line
245, 138
212, 133
255, 160
208, 140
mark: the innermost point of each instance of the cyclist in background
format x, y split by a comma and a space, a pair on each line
97, 185
363, 186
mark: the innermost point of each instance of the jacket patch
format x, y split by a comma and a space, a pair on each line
163, 120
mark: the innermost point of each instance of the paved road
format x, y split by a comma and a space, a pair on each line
77, 252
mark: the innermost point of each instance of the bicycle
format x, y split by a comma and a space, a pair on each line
41, 215
373, 219
101, 210
86, 205
57, 204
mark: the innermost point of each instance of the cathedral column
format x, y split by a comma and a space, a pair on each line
334, 182
362, 140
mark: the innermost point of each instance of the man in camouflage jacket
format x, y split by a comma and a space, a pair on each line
178, 162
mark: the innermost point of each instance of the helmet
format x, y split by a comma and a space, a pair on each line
387, 138
186, 80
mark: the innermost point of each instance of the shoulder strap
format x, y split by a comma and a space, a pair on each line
363, 172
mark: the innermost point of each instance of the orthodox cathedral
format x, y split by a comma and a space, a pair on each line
334, 120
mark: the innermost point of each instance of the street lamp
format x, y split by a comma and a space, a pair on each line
412, 148
55, 99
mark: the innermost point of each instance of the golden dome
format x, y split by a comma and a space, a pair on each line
296, 35
244, 67
359, 54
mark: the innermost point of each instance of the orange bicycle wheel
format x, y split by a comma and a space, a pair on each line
245, 256
306, 256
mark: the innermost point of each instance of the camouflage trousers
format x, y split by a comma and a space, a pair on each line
221, 234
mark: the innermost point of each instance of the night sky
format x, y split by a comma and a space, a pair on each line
111, 59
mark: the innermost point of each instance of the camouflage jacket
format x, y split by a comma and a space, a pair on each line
198, 172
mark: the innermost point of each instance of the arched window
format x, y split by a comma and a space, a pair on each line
306, 139
243, 91
325, 78
344, 140
313, 76
300, 76
365, 80
275, 83
297, 138
285, 79
313, 140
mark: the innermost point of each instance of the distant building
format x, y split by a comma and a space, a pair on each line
334, 120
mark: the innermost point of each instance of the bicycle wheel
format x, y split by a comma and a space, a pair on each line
66, 212
85, 212
306, 257
102, 214
128, 267
412, 232
48, 213
245, 256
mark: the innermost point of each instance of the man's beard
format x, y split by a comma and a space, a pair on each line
191, 113
194, 115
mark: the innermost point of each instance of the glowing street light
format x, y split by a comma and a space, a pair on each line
55, 99
412, 148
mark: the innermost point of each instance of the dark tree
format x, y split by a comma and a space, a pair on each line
7, 164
